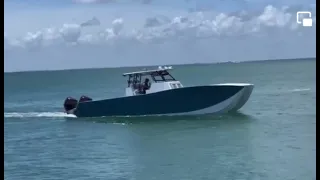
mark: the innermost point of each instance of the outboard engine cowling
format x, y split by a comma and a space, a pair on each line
70, 103
84, 99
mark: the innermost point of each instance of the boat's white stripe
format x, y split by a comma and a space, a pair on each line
233, 103
221, 107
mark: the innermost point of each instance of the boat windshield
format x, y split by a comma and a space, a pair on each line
156, 76
161, 76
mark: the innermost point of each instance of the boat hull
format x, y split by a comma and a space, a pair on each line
209, 99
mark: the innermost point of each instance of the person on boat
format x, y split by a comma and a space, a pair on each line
146, 85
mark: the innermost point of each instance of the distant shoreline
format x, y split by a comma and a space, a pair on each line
148, 66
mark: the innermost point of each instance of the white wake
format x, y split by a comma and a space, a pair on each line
36, 114
299, 90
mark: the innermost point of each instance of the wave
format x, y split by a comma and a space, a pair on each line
36, 114
299, 90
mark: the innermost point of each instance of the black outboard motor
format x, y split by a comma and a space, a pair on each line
84, 99
70, 103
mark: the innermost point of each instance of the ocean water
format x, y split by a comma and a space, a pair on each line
272, 137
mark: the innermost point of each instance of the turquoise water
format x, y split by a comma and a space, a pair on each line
272, 137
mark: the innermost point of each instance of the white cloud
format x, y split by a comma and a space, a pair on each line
131, 39
70, 32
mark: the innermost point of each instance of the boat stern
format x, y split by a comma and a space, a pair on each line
70, 104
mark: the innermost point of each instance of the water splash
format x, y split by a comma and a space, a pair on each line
37, 114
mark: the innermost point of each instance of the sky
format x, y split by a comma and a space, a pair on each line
72, 34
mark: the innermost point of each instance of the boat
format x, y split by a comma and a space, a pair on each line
157, 92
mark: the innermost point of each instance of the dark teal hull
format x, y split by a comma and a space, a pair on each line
172, 101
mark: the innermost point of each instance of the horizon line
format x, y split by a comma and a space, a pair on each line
142, 66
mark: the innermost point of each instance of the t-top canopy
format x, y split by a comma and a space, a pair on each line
149, 72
